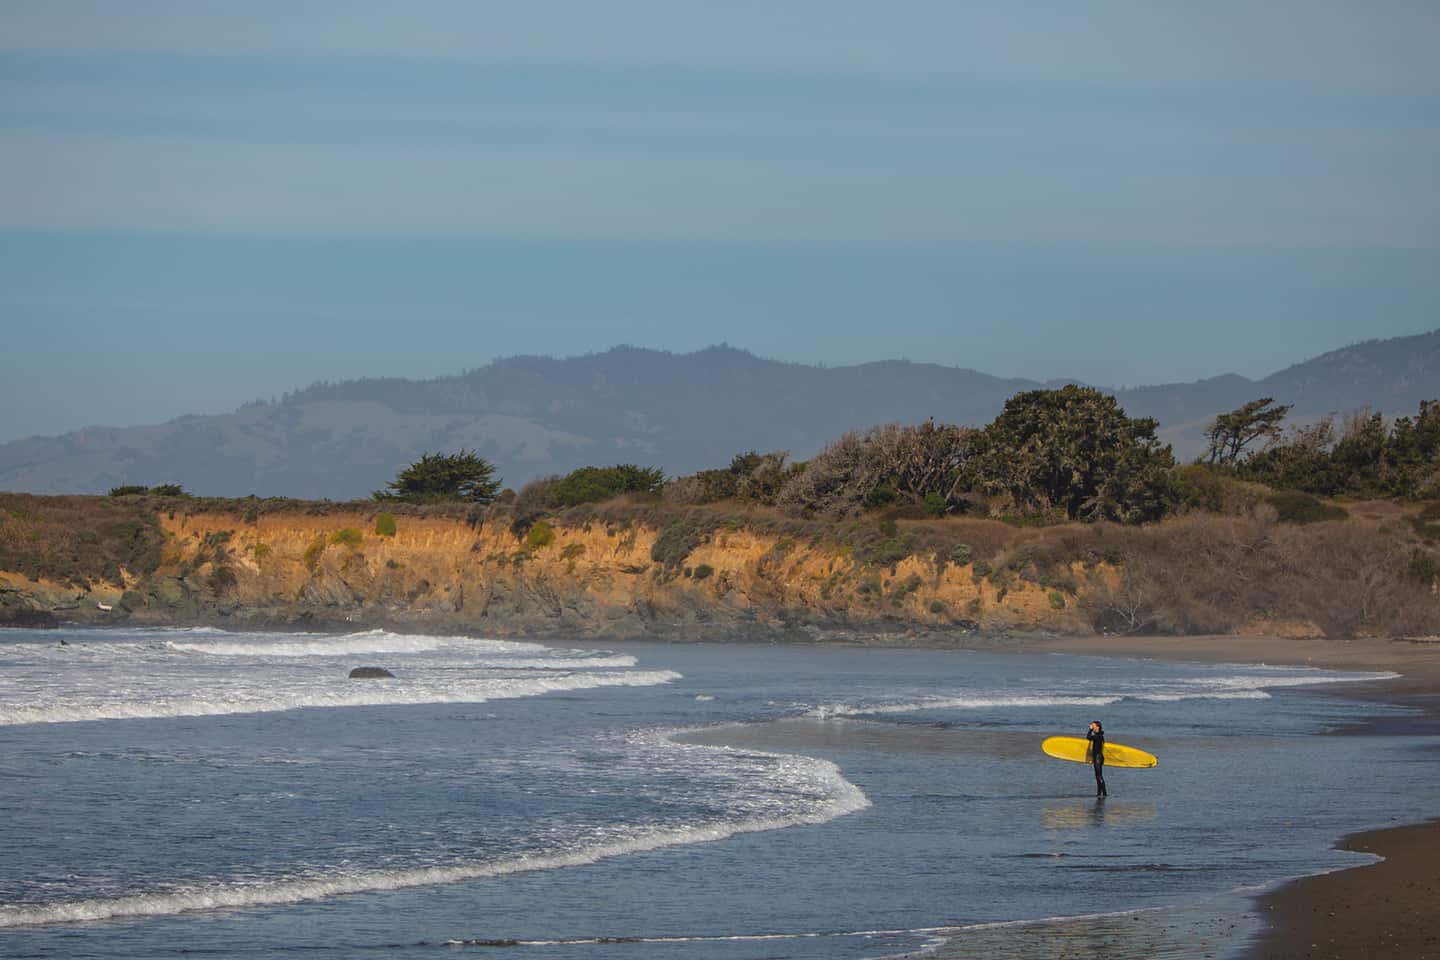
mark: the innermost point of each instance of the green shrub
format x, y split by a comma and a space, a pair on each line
887, 552
888, 527
385, 525
1293, 506
703, 571
222, 579
311, 557
261, 551
1057, 599
1198, 487
349, 536
392, 564
541, 535
676, 541
594, 484
129, 490
906, 587
880, 496
169, 490
960, 554
1425, 529
1062, 581
937, 606
935, 505
1036, 518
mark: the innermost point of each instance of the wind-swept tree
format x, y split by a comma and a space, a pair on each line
438, 477
1230, 433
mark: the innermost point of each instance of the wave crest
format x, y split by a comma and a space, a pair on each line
834, 796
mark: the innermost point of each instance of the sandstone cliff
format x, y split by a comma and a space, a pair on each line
644, 569
596, 578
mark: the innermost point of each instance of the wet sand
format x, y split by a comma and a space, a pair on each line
1388, 909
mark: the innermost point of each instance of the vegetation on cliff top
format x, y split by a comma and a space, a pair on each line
77, 539
1062, 491
439, 477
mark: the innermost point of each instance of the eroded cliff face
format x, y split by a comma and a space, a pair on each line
596, 579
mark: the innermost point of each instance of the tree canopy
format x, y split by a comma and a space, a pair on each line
1363, 457
1076, 451
438, 477
1230, 433
594, 484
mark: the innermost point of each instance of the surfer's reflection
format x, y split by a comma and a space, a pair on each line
1078, 814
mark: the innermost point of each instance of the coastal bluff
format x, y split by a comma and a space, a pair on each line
595, 578
634, 570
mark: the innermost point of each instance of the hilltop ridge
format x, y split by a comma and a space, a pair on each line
534, 416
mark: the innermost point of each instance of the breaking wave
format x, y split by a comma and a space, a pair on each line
1246, 686
372, 693
981, 702
828, 795
352, 644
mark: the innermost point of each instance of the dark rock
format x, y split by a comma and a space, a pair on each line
29, 619
371, 673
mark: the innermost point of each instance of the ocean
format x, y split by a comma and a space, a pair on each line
230, 794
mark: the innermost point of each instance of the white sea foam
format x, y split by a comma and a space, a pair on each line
368, 642
265, 699
1240, 686
829, 795
147, 674
976, 702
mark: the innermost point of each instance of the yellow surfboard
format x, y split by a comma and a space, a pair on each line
1116, 755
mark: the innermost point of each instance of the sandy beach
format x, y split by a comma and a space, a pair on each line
1385, 909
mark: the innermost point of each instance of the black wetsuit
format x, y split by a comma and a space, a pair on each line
1097, 759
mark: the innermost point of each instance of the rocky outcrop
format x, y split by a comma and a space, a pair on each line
371, 673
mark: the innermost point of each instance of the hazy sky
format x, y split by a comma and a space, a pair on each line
202, 203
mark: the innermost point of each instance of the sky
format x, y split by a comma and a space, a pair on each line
205, 203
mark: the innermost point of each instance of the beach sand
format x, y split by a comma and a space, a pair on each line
1388, 909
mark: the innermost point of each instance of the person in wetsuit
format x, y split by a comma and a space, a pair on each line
1096, 736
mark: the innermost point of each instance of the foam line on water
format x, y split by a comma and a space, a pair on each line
981, 702
368, 694
1245, 686
838, 797
366, 642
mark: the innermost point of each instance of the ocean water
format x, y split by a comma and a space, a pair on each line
236, 795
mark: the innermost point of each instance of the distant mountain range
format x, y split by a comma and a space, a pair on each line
534, 416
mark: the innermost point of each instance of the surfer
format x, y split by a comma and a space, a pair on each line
1096, 736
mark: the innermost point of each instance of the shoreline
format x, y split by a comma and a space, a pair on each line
1380, 909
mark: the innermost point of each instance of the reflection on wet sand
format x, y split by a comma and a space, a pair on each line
806, 733
1214, 929
1081, 814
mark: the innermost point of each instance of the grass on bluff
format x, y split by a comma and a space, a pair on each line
78, 540
1369, 569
